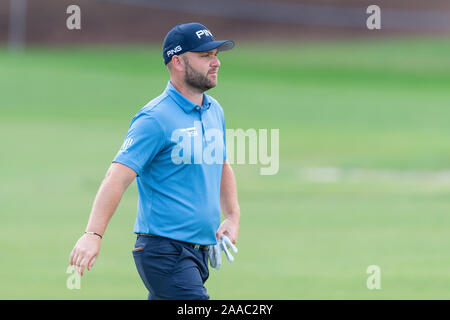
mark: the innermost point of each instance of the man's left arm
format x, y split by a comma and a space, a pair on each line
229, 205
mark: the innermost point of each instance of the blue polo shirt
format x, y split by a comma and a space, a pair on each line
177, 149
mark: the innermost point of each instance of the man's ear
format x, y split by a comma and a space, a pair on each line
177, 63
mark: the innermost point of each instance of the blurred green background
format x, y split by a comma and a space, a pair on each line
374, 105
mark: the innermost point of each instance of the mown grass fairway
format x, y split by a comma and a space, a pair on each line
64, 114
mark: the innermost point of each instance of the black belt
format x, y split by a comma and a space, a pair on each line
193, 245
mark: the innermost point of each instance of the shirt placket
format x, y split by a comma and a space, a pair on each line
201, 112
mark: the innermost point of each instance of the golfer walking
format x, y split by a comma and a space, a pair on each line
175, 148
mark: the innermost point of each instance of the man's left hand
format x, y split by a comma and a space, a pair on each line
230, 229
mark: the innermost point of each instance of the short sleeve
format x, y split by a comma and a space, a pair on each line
145, 138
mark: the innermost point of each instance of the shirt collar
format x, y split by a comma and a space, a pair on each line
185, 104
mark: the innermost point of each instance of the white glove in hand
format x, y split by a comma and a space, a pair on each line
215, 259
225, 243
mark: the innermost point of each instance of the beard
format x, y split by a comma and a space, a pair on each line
197, 80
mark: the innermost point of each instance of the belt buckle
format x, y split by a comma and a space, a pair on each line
196, 247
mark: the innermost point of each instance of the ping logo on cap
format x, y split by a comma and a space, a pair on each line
171, 52
204, 32
191, 37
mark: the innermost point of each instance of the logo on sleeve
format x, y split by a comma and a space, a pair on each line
126, 144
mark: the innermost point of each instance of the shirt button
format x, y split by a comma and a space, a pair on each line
197, 108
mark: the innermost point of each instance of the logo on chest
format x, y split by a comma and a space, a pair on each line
194, 146
192, 132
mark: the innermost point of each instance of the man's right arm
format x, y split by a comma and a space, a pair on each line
116, 181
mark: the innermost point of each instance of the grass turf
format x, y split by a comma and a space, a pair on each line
383, 104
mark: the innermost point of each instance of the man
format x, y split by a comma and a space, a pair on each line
183, 178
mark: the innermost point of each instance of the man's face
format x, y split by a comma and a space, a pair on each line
201, 69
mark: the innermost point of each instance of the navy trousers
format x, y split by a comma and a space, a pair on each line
170, 269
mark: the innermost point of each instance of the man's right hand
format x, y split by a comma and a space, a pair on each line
116, 181
85, 252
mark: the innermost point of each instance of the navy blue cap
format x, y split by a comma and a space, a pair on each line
191, 37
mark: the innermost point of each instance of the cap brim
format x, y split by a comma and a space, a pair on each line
219, 45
